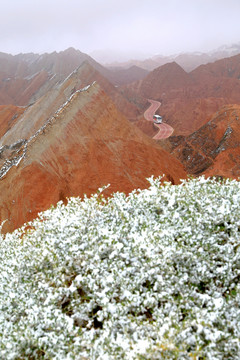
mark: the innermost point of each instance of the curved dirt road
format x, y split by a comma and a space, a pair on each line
165, 130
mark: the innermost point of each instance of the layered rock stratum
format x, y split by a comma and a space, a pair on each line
9, 115
214, 149
26, 77
86, 144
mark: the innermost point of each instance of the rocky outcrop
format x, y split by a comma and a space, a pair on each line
86, 144
214, 149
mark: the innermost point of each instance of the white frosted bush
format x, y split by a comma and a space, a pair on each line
152, 275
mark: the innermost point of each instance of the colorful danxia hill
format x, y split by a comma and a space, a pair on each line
68, 126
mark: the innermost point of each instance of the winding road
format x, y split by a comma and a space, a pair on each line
165, 130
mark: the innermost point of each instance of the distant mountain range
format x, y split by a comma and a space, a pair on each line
188, 61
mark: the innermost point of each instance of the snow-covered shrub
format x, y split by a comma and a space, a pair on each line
152, 275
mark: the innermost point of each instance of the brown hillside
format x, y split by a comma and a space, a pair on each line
9, 115
88, 74
26, 77
214, 149
227, 68
85, 145
155, 85
18, 91
45, 106
189, 100
167, 77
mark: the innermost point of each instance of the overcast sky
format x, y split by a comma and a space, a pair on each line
132, 27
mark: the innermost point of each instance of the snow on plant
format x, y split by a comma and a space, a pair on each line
152, 275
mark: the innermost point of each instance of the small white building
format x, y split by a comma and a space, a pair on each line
157, 119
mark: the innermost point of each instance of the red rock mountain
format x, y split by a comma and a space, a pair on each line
189, 100
227, 68
45, 106
63, 63
9, 115
18, 91
26, 77
65, 141
88, 74
167, 77
86, 144
164, 78
214, 149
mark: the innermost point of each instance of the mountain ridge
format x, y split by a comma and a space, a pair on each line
87, 144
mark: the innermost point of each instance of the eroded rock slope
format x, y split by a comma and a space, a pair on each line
214, 149
86, 144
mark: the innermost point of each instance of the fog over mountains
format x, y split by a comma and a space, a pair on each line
134, 29
187, 60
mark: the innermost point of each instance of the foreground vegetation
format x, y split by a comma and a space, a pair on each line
152, 275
